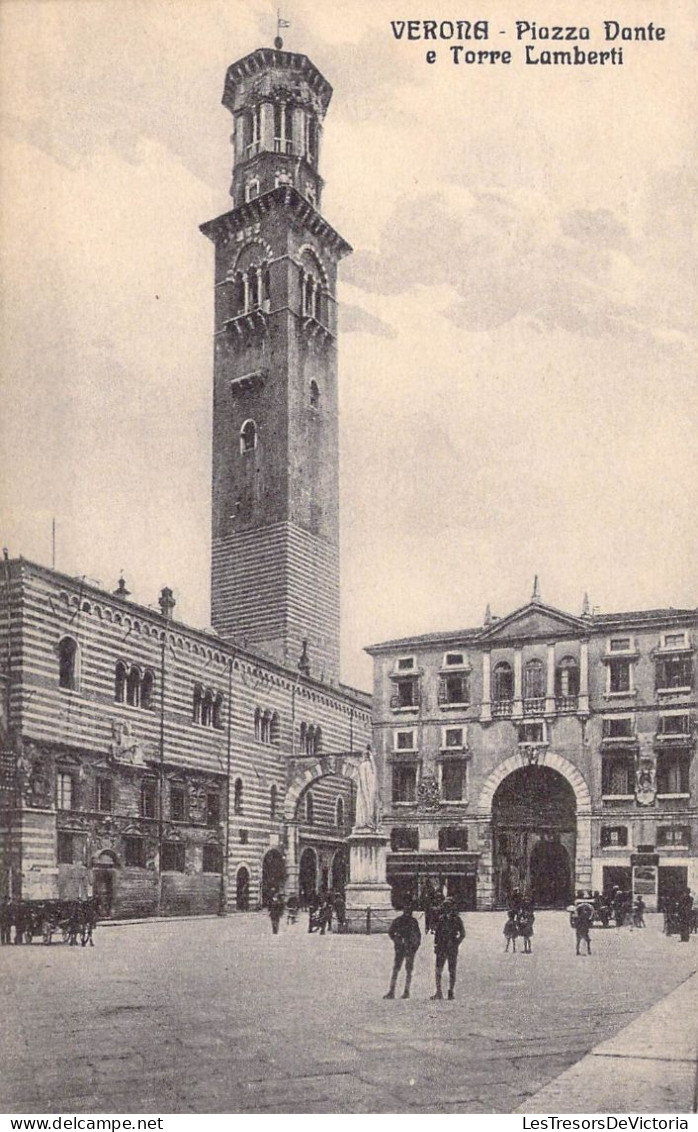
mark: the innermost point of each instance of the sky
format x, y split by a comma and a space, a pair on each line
518, 390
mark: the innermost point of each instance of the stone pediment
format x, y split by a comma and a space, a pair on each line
536, 621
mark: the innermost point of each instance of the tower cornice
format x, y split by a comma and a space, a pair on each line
255, 210
259, 61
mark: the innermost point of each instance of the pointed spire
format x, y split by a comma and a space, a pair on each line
535, 596
488, 615
586, 606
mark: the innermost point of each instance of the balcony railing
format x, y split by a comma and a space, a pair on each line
567, 703
534, 705
283, 145
502, 709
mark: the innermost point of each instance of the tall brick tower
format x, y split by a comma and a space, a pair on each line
275, 553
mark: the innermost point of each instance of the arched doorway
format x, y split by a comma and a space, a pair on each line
340, 871
104, 867
242, 890
533, 832
273, 875
307, 877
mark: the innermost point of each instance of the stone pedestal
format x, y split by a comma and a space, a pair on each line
369, 907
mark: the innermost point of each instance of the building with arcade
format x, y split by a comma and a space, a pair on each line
543, 752
173, 770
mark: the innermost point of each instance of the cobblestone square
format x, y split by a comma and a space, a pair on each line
220, 1016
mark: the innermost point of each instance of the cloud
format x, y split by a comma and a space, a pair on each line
354, 319
508, 255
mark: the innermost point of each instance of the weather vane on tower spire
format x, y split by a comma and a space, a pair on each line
280, 23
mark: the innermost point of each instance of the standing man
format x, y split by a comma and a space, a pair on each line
406, 936
276, 911
449, 933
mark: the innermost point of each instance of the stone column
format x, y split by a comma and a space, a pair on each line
266, 126
292, 865
582, 870
517, 712
486, 708
550, 682
583, 707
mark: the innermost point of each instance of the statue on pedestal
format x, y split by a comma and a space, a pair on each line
368, 809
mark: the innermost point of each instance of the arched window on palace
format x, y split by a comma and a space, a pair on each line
258, 724
248, 437
533, 680
339, 813
237, 796
567, 681
273, 799
120, 683
311, 139
148, 690
502, 682
217, 720
133, 688
68, 663
309, 808
275, 730
198, 700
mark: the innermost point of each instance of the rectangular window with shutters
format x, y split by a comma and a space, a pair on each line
213, 859
454, 837
134, 852
619, 727
618, 775
148, 798
674, 724
404, 783
613, 835
64, 791
404, 838
668, 835
172, 857
674, 672
453, 780
454, 689
103, 795
178, 803
619, 676
65, 853
404, 740
673, 772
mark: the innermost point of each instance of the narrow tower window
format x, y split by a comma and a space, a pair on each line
314, 395
248, 437
67, 663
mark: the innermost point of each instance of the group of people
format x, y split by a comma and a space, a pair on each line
22, 921
680, 917
449, 933
323, 908
519, 923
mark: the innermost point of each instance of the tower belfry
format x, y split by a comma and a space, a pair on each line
275, 530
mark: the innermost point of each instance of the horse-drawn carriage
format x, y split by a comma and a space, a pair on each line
73, 921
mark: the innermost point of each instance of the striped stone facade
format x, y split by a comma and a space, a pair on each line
155, 767
542, 745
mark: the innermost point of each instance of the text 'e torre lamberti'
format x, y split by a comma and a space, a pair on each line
275, 563
166, 769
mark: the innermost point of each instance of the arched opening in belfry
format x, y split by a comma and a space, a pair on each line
534, 835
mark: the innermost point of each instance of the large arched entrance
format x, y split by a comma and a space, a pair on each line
340, 870
307, 878
242, 889
533, 833
273, 875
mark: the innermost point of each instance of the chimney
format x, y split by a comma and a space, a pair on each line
121, 590
166, 602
